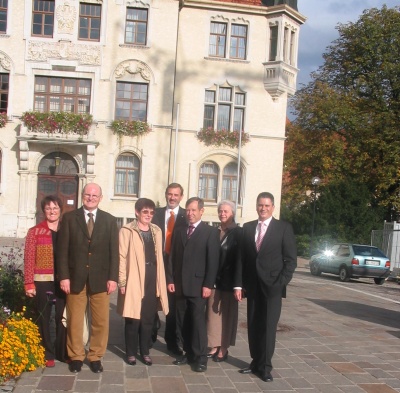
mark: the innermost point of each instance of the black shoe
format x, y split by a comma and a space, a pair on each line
199, 367
216, 358
131, 360
175, 350
96, 366
147, 360
266, 377
75, 366
247, 370
211, 355
181, 361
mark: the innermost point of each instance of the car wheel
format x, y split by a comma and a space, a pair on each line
379, 281
314, 269
343, 274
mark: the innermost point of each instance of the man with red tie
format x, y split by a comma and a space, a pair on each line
169, 218
268, 260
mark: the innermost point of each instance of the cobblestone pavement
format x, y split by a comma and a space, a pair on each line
333, 337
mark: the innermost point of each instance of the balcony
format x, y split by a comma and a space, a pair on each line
279, 78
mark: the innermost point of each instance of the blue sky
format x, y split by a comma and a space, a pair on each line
319, 30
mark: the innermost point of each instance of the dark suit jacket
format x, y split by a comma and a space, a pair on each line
274, 264
81, 258
193, 262
159, 220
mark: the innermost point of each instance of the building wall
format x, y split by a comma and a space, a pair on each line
177, 67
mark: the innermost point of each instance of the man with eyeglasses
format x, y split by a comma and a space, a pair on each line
87, 259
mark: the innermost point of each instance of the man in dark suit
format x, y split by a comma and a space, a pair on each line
87, 259
268, 260
192, 270
169, 218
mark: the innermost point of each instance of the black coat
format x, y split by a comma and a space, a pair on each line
228, 256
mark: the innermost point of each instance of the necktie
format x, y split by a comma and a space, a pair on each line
90, 224
190, 231
260, 237
170, 228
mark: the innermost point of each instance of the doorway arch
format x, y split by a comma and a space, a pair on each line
58, 175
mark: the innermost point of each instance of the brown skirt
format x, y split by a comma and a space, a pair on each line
222, 319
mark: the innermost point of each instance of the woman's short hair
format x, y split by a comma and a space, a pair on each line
51, 198
230, 204
141, 203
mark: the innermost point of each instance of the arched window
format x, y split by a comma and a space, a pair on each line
127, 171
208, 181
229, 182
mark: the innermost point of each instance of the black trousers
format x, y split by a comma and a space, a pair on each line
263, 313
171, 338
191, 327
48, 293
138, 331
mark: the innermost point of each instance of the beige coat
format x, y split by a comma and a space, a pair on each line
132, 270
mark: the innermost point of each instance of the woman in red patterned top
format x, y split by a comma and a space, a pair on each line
39, 278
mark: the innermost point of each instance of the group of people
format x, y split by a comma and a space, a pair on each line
166, 259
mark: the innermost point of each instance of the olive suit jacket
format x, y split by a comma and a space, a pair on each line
82, 259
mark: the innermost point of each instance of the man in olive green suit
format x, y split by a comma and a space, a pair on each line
87, 260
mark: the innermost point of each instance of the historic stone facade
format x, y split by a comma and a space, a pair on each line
180, 66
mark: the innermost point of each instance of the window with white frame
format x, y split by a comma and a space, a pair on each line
4, 86
136, 26
131, 101
127, 172
53, 94
222, 33
3, 15
273, 43
216, 185
224, 108
43, 18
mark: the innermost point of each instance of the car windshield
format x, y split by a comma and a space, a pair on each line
367, 251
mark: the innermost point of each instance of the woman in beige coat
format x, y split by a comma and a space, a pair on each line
142, 286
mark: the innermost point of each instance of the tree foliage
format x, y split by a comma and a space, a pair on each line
348, 117
347, 131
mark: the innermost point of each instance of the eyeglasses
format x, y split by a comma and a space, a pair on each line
87, 196
49, 209
146, 211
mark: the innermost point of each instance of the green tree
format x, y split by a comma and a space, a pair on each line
348, 116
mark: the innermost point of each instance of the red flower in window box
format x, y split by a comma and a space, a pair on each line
211, 137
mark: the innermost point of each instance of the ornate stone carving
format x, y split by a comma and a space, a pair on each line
23, 155
137, 3
85, 54
133, 67
5, 62
66, 16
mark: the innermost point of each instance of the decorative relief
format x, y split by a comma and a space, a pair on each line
241, 20
5, 61
137, 3
90, 159
133, 67
23, 155
66, 16
85, 54
220, 17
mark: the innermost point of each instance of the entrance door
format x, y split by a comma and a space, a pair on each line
60, 180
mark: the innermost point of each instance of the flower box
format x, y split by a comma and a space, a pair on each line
211, 137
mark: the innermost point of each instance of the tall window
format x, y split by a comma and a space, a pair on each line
136, 26
229, 182
238, 42
62, 94
4, 78
89, 22
273, 42
43, 18
127, 170
131, 101
217, 39
208, 181
219, 106
3, 15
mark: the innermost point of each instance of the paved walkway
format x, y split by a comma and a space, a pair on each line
321, 347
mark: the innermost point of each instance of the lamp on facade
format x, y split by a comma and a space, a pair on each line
57, 159
315, 181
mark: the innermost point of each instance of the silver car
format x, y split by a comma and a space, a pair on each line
352, 260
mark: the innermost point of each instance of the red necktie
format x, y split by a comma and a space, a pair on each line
168, 235
190, 231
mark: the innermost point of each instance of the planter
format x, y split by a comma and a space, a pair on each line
211, 137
